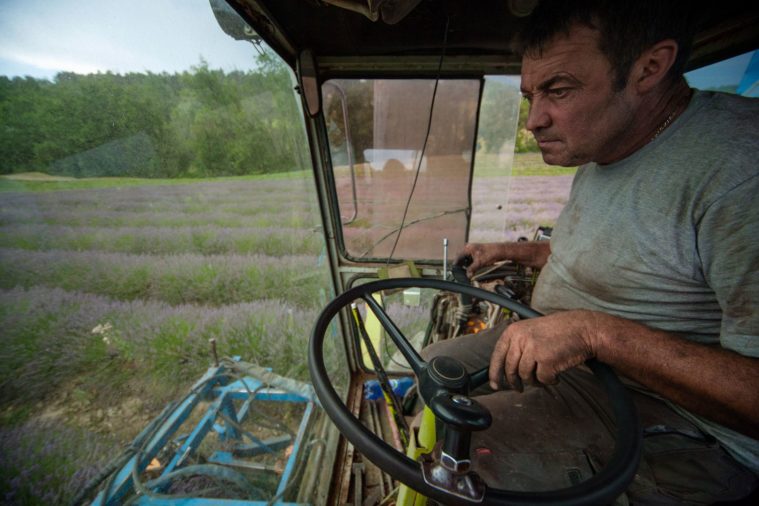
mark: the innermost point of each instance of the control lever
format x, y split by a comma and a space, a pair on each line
459, 275
449, 466
461, 415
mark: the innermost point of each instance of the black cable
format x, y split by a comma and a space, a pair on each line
391, 358
419, 165
424, 146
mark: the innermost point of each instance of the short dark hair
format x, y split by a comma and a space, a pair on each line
627, 28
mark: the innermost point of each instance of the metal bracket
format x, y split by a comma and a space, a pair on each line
465, 485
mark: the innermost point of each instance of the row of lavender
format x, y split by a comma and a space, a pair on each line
44, 461
156, 240
181, 278
530, 202
82, 332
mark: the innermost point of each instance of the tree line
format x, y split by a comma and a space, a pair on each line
199, 123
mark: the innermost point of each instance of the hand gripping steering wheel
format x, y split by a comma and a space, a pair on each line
444, 386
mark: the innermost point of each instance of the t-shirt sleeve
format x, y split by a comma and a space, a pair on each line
728, 246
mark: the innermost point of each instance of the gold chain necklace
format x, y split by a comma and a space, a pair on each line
675, 112
664, 125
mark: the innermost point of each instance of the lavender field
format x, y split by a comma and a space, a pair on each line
109, 296
533, 201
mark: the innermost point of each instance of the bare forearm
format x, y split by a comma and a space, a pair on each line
529, 253
535, 253
718, 384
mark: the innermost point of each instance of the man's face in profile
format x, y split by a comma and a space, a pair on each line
575, 114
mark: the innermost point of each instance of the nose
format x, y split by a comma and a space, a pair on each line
538, 116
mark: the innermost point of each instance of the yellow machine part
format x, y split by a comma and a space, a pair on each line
422, 441
376, 333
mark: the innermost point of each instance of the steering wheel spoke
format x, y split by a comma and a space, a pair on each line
479, 378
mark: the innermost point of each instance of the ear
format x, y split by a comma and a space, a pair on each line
652, 66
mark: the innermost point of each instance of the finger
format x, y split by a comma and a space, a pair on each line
527, 368
473, 267
546, 375
474, 253
497, 359
513, 357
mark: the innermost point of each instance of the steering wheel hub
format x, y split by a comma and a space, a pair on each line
449, 373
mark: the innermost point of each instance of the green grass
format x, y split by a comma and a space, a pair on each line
207, 240
525, 164
18, 182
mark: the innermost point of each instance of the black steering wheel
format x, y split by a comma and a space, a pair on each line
444, 385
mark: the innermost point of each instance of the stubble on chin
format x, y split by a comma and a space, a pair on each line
563, 158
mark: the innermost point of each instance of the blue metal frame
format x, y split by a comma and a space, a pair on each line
215, 384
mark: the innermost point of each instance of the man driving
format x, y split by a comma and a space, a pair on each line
652, 268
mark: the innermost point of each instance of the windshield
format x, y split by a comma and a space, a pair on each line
398, 168
155, 195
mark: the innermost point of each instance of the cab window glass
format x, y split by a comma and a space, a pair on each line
390, 173
513, 192
739, 75
155, 194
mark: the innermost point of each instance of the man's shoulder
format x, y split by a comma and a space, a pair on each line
730, 101
726, 116
719, 136
711, 154
710, 149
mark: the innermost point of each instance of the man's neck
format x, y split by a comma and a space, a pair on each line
669, 106
653, 116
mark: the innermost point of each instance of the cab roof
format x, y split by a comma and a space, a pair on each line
480, 33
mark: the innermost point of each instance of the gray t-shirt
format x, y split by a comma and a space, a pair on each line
669, 237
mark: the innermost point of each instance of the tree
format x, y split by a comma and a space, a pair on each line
202, 123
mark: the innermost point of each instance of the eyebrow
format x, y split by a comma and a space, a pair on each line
559, 78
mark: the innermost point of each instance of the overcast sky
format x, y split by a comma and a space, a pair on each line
40, 38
